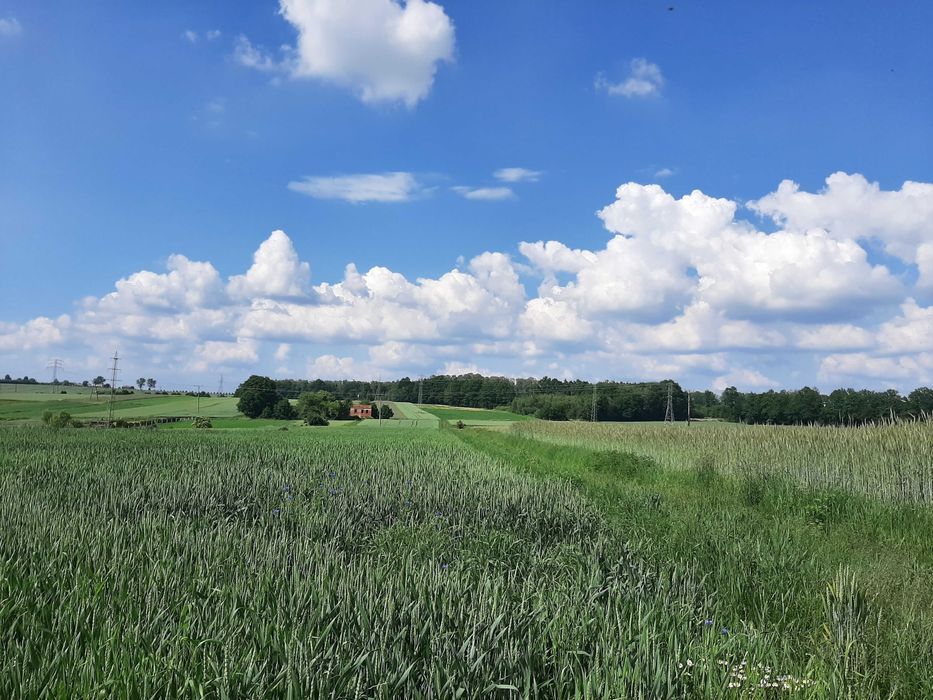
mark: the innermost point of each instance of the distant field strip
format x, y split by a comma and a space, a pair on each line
32, 406
409, 415
473, 416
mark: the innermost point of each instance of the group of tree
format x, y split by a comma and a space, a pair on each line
149, 383
807, 405
262, 397
25, 379
614, 401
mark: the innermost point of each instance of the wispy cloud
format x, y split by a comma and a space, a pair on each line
664, 172
484, 193
644, 80
517, 175
248, 55
10, 26
192, 36
363, 187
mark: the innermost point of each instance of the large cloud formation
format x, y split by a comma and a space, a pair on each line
382, 50
684, 287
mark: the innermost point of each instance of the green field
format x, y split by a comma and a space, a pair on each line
29, 406
534, 560
473, 416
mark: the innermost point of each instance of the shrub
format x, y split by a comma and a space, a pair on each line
283, 410
202, 423
315, 418
61, 419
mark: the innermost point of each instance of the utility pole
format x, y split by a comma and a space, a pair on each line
688, 407
198, 386
669, 411
55, 365
420, 391
113, 386
593, 412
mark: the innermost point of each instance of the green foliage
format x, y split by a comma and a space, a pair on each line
202, 423
316, 408
283, 410
257, 397
60, 419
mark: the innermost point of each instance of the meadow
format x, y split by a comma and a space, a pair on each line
29, 405
542, 560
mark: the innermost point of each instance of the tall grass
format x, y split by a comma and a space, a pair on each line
893, 462
332, 564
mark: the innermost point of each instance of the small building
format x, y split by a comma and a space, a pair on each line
361, 410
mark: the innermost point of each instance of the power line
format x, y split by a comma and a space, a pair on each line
113, 384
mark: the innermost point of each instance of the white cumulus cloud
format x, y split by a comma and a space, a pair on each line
381, 50
276, 271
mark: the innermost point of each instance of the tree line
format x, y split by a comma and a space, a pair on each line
554, 399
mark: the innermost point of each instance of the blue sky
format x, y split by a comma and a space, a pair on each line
131, 133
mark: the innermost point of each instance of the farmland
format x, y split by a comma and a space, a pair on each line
537, 560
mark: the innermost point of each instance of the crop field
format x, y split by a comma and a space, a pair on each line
407, 415
473, 416
29, 406
545, 560
890, 461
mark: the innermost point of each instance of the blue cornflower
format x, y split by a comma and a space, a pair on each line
445, 566
286, 488
332, 491
275, 511
438, 514
707, 622
332, 474
724, 630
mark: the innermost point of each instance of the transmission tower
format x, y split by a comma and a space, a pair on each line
688, 408
220, 387
55, 365
420, 391
669, 411
113, 386
593, 412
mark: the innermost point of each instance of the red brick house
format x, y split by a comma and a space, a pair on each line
361, 410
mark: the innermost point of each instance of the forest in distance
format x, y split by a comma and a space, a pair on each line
554, 399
